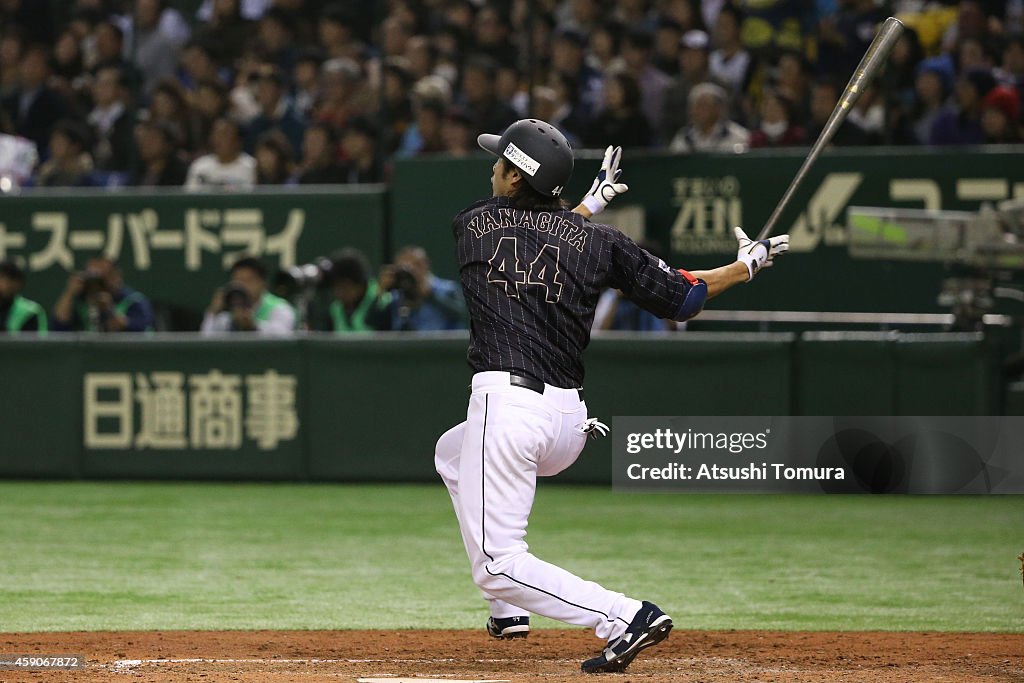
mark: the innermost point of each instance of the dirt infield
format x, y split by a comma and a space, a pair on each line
690, 656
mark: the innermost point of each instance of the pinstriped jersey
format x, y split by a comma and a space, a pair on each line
532, 280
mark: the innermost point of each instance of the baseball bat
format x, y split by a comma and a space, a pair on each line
869, 66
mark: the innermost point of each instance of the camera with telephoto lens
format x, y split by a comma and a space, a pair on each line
235, 297
92, 283
405, 283
310, 275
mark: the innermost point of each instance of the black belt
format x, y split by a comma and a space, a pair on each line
532, 384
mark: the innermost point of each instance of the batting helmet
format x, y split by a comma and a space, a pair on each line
538, 150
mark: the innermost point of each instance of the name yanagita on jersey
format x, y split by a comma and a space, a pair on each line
542, 221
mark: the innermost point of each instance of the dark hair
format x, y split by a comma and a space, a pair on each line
525, 197
350, 264
252, 264
630, 90
74, 132
12, 270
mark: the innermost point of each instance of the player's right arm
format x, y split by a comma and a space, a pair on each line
678, 294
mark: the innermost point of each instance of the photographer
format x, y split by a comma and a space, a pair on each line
421, 301
245, 305
97, 300
359, 305
18, 314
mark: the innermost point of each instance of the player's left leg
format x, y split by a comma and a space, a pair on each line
510, 618
508, 431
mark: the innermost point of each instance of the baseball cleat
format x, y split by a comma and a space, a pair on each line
649, 627
505, 629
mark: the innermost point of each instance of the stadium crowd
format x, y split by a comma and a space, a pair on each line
236, 93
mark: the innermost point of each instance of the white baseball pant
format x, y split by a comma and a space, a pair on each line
490, 464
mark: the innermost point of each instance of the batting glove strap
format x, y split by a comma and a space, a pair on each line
606, 187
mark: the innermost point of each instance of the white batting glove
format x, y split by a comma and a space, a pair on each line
606, 186
760, 254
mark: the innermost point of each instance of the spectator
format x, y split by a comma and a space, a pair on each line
845, 36
277, 112
485, 110
97, 300
18, 314
972, 22
932, 86
421, 301
344, 93
776, 128
360, 145
153, 53
960, 124
421, 57
693, 69
109, 39
667, 37
275, 39
305, 81
824, 97
112, 122
425, 136
12, 49
636, 57
210, 105
549, 104
492, 33
1000, 113
710, 129
604, 46
226, 31
245, 305
1011, 71
567, 59
395, 112
319, 164
69, 163
169, 105
198, 66
792, 82
160, 165
359, 304
972, 53
336, 33
34, 108
228, 167
459, 136
729, 62
273, 159
621, 122
68, 65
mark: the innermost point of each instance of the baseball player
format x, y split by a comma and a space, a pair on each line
532, 272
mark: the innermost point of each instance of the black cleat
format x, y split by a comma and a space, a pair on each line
505, 629
649, 627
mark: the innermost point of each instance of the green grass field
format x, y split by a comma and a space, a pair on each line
96, 556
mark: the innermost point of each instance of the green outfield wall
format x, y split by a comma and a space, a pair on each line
175, 247
371, 408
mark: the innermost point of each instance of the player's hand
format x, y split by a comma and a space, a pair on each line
760, 254
606, 186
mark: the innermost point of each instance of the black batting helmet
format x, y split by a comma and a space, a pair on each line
538, 150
